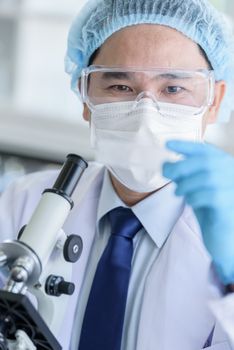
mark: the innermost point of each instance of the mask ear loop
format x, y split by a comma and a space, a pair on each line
211, 90
92, 129
84, 86
211, 97
92, 133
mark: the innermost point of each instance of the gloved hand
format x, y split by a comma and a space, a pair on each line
205, 177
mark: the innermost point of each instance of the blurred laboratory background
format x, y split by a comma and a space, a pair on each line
40, 118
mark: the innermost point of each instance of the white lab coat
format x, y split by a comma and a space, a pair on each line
179, 279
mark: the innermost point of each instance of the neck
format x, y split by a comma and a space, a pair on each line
129, 197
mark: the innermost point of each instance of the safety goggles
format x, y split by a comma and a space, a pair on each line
191, 88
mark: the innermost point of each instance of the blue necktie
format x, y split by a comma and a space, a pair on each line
104, 316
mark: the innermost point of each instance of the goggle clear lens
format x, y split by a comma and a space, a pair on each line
101, 85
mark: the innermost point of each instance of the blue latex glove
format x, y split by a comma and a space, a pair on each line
205, 177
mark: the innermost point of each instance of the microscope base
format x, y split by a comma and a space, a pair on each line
17, 313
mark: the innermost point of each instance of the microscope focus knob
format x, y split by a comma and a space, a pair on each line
72, 248
66, 288
55, 285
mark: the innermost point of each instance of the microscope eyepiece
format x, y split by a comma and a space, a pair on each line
69, 176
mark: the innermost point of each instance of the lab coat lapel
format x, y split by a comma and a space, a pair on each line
175, 312
82, 221
83, 218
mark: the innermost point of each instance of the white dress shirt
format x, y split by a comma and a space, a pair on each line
158, 214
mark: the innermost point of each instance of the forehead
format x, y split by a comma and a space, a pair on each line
150, 45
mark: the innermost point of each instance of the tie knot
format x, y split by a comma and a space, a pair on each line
123, 222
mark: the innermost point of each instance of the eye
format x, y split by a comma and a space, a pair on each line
174, 89
121, 88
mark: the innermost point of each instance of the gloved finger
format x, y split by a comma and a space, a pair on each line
214, 166
204, 181
189, 148
183, 168
187, 167
211, 199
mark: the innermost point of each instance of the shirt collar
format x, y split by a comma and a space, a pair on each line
158, 213
108, 198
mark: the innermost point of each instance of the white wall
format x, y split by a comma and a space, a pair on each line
42, 110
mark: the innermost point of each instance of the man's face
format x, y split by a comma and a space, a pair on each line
150, 45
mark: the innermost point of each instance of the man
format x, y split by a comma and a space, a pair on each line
152, 71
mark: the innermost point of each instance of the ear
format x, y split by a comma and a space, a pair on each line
219, 92
86, 113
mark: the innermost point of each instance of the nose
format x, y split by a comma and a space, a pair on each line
147, 95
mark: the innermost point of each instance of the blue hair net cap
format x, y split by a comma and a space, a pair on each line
197, 19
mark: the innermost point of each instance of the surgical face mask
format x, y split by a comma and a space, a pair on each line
129, 139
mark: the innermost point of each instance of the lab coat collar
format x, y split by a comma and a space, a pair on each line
108, 198
177, 292
158, 213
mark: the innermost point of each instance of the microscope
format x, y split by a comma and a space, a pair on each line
38, 268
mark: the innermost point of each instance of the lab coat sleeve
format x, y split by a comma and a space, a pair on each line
223, 310
19, 200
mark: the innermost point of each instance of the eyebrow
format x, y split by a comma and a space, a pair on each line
116, 75
174, 76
